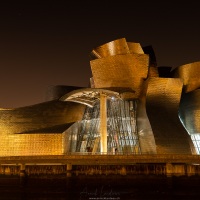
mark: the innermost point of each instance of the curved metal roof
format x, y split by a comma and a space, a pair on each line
88, 96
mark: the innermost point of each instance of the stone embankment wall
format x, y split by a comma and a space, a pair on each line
76, 170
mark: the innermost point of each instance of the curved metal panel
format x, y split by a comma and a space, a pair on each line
116, 47
123, 71
145, 133
39, 117
190, 74
112, 48
38, 126
189, 111
163, 97
135, 48
88, 96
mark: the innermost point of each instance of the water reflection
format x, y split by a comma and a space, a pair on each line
110, 187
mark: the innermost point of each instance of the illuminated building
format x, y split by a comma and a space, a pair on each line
133, 106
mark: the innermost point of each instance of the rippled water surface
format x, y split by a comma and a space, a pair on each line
115, 187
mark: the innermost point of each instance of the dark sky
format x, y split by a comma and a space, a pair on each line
45, 43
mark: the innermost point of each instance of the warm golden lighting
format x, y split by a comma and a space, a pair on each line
103, 123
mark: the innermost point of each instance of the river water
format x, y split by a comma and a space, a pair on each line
95, 187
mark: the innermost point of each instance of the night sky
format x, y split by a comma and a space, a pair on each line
45, 43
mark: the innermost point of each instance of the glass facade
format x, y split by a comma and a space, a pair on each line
122, 135
195, 137
196, 141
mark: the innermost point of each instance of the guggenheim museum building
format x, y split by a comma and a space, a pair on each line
132, 106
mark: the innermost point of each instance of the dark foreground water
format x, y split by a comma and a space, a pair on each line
110, 187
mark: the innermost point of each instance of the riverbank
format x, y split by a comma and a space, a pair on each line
106, 187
